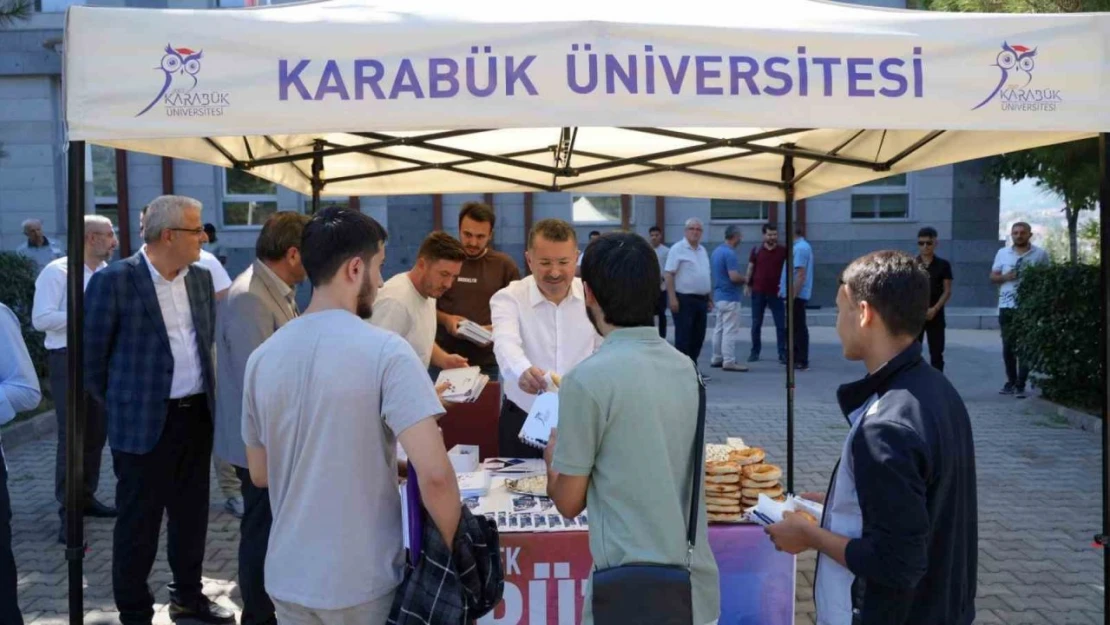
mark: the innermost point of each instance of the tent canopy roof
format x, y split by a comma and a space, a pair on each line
700, 98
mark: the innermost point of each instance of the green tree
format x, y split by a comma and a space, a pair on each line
12, 10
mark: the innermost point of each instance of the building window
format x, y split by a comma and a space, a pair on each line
341, 202
248, 199
596, 209
886, 198
740, 210
102, 162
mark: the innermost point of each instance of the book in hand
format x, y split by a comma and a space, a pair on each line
474, 333
543, 416
463, 385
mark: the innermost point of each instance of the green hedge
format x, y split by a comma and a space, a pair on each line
17, 291
1057, 324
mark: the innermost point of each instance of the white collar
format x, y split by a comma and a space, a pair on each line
536, 296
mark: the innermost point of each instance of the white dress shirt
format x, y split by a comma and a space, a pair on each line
19, 384
49, 313
529, 330
177, 314
690, 268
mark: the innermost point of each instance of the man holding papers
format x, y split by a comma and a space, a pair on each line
540, 326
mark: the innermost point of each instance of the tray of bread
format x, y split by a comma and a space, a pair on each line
735, 476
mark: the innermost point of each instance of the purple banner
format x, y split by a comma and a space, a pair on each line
757, 582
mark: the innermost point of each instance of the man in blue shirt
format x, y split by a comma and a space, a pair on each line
727, 279
803, 290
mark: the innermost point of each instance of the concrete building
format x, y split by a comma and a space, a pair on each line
956, 200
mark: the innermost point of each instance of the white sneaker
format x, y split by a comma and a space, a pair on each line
234, 505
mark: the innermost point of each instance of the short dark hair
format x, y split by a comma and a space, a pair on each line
595, 233
478, 211
555, 230
441, 246
622, 271
895, 285
282, 230
1022, 224
335, 235
770, 227
927, 232
655, 229
210, 229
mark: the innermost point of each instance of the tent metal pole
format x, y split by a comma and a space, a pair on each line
75, 395
317, 170
788, 187
1104, 262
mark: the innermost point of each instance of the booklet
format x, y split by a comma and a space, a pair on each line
475, 333
463, 385
543, 416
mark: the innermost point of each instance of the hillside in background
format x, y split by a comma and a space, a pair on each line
1043, 211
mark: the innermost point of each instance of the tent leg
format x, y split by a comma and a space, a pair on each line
788, 186
1104, 261
317, 171
75, 404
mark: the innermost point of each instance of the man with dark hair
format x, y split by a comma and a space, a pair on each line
260, 301
764, 268
1006, 272
898, 542
213, 246
325, 400
940, 291
612, 415
803, 290
485, 271
656, 235
407, 303
594, 234
539, 327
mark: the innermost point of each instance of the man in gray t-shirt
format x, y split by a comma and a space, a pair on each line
325, 400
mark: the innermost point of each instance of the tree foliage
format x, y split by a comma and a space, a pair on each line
13, 10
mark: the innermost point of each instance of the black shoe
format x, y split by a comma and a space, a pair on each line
782, 360
753, 358
1008, 389
201, 609
801, 367
716, 365
94, 508
1019, 392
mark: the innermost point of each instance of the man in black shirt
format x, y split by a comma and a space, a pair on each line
940, 291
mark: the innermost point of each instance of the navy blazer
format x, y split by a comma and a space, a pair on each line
128, 362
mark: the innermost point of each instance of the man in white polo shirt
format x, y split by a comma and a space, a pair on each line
689, 290
1006, 272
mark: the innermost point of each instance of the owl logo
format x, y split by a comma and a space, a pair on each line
180, 67
1012, 59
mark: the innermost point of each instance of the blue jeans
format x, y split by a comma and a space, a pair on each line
761, 302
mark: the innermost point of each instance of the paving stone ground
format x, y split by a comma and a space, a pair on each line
1039, 503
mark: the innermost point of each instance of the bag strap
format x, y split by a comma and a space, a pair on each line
695, 490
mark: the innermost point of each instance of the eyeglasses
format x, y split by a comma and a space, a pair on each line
197, 231
926, 243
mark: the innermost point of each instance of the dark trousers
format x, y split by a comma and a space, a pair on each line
1014, 374
509, 423
934, 333
760, 303
9, 608
801, 333
172, 477
661, 313
254, 536
689, 324
96, 430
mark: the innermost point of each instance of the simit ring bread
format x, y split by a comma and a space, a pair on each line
751, 455
762, 472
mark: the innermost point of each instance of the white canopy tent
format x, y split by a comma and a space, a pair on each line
702, 98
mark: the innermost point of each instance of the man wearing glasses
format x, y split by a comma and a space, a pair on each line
940, 290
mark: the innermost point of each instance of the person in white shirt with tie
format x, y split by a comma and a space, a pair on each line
49, 315
540, 325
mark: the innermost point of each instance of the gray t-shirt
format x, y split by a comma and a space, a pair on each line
627, 419
400, 308
326, 396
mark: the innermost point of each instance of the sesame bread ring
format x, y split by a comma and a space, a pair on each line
734, 508
750, 483
714, 489
722, 468
756, 492
762, 472
723, 501
729, 478
725, 517
751, 455
748, 503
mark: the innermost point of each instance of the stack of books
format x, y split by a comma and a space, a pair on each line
475, 333
463, 385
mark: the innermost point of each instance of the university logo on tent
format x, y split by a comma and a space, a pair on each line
1016, 65
179, 94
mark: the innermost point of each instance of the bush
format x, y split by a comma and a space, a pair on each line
17, 291
1058, 323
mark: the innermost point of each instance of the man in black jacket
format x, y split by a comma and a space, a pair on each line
898, 540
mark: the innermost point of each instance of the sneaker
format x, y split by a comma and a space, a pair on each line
753, 358
782, 360
801, 366
234, 505
732, 366
716, 364
1019, 392
1008, 389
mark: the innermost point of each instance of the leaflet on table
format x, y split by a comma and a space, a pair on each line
523, 513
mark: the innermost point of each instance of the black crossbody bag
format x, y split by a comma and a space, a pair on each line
654, 594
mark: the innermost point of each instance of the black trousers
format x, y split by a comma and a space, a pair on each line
9, 608
801, 333
96, 430
254, 536
661, 313
509, 423
172, 477
1015, 374
934, 333
690, 323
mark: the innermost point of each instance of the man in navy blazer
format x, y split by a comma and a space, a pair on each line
149, 327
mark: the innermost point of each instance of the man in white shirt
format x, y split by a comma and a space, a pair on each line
656, 236
37, 248
325, 401
540, 326
689, 290
406, 304
49, 314
1006, 272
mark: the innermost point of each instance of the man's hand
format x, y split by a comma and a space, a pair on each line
794, 534
929, 314
453, 361
1011, 276
451, 324
747, 291
440, 390
674, 305
532, 382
